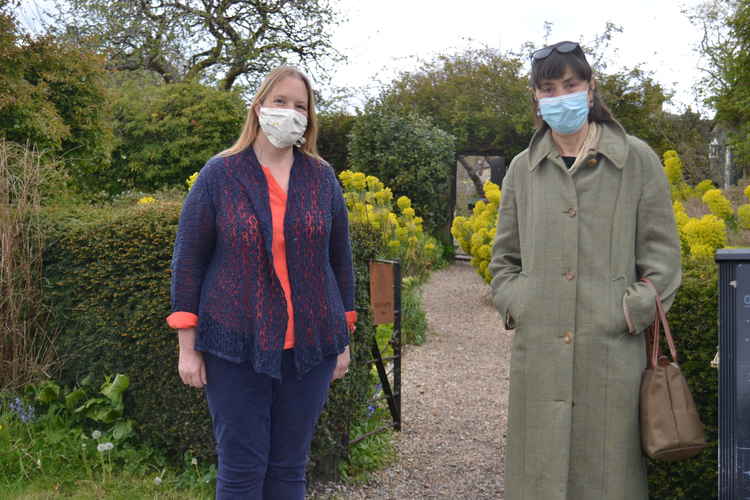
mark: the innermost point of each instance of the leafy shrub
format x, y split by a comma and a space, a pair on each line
705, 235
476, 233
693, 318
703, 186
743, 216
673, 170
107, 274
333, 138
413, 317
411, 156
166, 132
719, 205
401, 236
53, 97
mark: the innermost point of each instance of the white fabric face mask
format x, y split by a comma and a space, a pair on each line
283, 127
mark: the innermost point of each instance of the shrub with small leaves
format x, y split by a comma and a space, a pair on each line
703, 186
743, 216
705, 235
673, 170
718, 204
476, 233
402, 234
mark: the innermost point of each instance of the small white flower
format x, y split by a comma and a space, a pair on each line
83, 445
104, 447
96, 435
194, 461
157, 480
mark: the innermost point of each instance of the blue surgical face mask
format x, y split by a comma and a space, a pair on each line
565, 114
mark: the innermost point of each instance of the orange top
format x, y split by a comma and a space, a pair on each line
277, 199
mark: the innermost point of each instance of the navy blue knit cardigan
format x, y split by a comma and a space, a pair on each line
222, 266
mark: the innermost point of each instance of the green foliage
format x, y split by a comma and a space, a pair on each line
52, 450
167, 132
476, 233
333, 138
373, 453
107, 275
743, 216
88, 422
347, 400
693, 318
636, 100
726, 49
53, 96
399, 236
479, 96
413, 317
411, 156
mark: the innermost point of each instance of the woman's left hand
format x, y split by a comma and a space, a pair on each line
342, 364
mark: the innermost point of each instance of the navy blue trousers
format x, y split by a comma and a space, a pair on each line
263, 426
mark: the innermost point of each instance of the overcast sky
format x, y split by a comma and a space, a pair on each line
381, 38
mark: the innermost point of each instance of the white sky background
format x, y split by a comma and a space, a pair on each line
382, 38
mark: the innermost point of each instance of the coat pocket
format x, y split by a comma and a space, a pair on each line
618, 322
517, 302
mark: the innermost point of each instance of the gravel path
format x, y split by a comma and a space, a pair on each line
455, 400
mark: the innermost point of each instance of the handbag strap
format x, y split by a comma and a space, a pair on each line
654, 353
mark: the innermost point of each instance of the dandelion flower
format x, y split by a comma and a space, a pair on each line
96, 434
157, 480
101, 447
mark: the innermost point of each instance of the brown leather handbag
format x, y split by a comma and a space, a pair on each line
670, 426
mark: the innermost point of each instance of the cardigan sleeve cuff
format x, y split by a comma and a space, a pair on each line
351, 320
181, 319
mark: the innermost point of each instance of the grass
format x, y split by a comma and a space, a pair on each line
48, 452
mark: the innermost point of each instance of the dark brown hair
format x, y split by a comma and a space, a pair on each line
553, 67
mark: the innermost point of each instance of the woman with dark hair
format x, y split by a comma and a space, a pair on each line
585, 216
263, 292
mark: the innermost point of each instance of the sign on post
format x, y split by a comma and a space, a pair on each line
381, 292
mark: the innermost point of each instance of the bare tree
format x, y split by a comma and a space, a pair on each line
222, 41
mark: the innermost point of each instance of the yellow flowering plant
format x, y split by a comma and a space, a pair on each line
673, 170
743, 216
718, 204
475, 233
402, 232
191, 180
146, 200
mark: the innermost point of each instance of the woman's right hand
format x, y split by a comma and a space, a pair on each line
190, 365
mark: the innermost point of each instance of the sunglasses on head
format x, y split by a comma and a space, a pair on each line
561, 47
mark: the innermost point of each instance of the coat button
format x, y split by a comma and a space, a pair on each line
592, 162
572, 212
568, 337
569, 275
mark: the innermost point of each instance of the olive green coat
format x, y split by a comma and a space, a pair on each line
570, 248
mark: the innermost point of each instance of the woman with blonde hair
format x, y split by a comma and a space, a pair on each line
263, 292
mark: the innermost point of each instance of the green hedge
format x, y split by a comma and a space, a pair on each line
107, 280
412, 157
693, 319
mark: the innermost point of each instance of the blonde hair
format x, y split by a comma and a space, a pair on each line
251, 126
